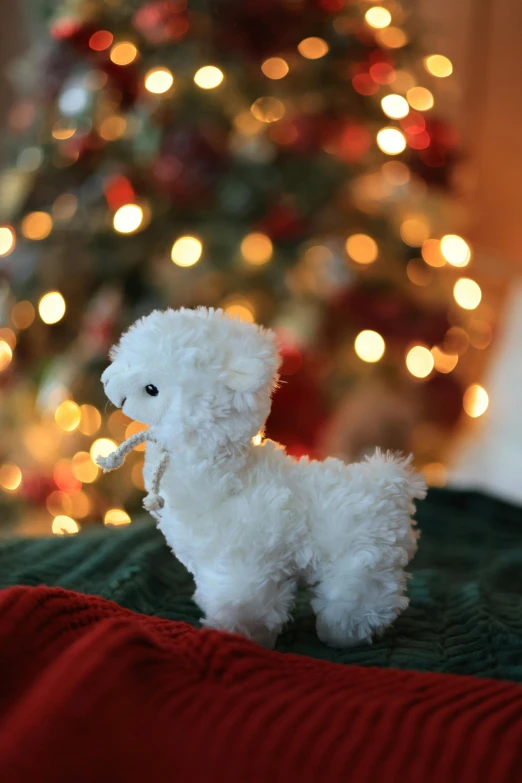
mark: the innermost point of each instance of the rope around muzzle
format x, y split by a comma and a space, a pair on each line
153, 502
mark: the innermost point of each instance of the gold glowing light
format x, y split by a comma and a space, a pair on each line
391, 141
475, 401
68, 415
438, 65
436, 474
268, 109
420, 98
395, 106
6, 354
257, 439
392, 37
444, 362
102, 447
186, 251
369, 346
112, 127
83, 468
10, 477
431, 253
362, 249
275, 68
123, 53
61, 133
396, 173
239, 309
159, 81
7, 240
420, 361
58, 502
208, 78
137, 475
51, 307
128, 218
467, 293
132, 429
313, 48
63, 525
91, 420
116, 516
415, 231
256, 249
22, 314
455, 250
80, 505
37, 225
8, 336
378, 17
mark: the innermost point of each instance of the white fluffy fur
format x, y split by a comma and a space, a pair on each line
248, 521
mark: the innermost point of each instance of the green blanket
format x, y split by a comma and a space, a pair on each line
465, 614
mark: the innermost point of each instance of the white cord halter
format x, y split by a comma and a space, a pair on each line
153, 502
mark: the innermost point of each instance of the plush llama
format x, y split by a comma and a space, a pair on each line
248, 521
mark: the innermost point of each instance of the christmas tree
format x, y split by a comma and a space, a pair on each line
280, 159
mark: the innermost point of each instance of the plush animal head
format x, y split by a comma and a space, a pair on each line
196, 376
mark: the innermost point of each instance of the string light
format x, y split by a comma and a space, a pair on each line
431, 253
415, 231
438, 65
37, 225
369, 346
186, 251
313, 48
420, 98
68, 415
102, 448
444, 362
467, 293
83, 468
275, 68
419, 361
51, 307
10, 477
62, 133
268, 109
91, 420
63, 525
257, 439
455, 250
475, 401
112, 127
391, 141
395, 106
8, 336
7, 240
159, 80
378, 17
208, 78
391, 37
123, 53
362, 249
22, 314
128, 219
100, 40
116, 516
256, 249
239, 308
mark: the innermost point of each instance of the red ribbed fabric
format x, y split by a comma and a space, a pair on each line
90, 691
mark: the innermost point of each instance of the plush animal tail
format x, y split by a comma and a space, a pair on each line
153, 501
399, 470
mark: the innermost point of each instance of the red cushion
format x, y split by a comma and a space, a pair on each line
93, 692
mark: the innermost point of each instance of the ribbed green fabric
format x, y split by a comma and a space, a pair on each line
465, 614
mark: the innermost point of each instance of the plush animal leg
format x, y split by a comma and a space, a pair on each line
257, 610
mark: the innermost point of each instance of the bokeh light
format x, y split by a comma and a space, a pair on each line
455, 250
378, 17
7, 240
256, 249
83, 467
81, 505
112, 127
59, 502
132, 428
37, 225
8, 336
268, 109
128, 219
22, 314
444, 362
431, 253
64, 525
362, 249
391, 141
395, 106
467, 293
10, 477
239, 308
396, 173
186, 251
6, 354
159, 81
100, 40
420, 98
208, 78
480, 334
313, 48
369, 346
391, 37
438, 65
275, 68
419, 361
116, 516
436, 474
102, 447
123, 53
65, 206
415, 231
91, 420
68, 415
475, 401
51, 307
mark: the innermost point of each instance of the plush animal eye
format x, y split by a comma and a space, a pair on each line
152, 390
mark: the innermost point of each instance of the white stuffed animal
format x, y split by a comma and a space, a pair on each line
247, 520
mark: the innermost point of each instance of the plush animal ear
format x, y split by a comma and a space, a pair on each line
246, 375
